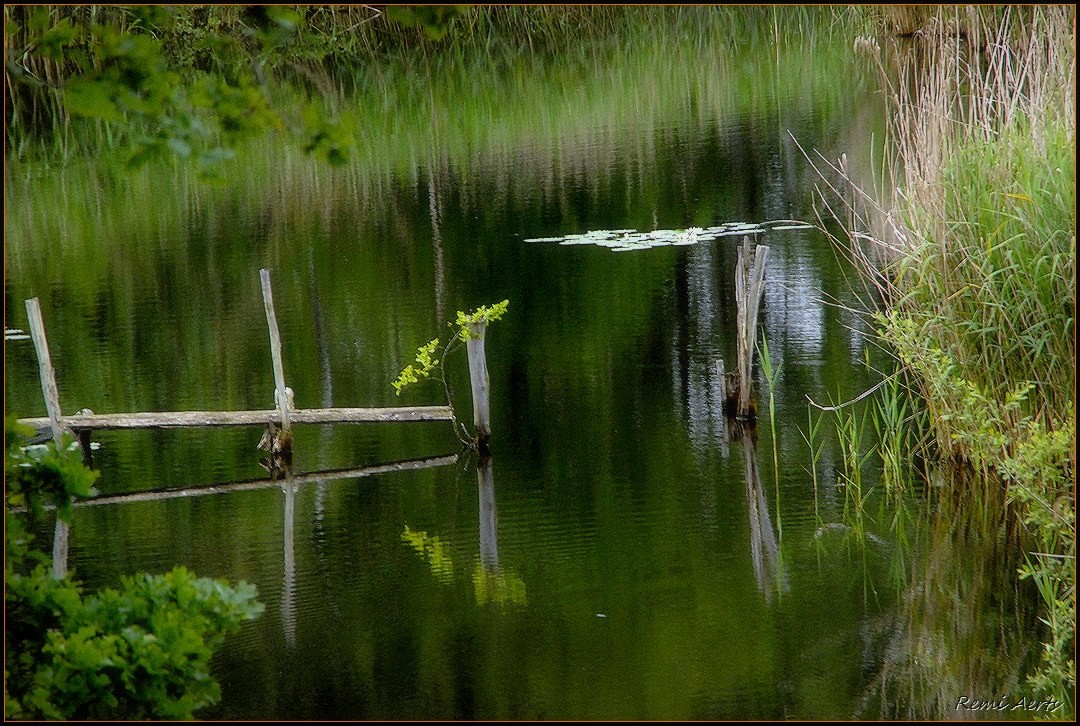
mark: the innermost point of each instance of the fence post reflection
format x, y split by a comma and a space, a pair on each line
489, 545
288, 584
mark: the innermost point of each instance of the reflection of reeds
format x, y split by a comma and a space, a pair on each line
962, 626
493, 132
566, 118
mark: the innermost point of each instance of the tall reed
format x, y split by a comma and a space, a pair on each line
813, 442
771, 375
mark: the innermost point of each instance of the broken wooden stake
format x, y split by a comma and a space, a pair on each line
749, 287
478, 377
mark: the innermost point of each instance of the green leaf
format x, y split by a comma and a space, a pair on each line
53, 42
40, 19
92, 98
435, 19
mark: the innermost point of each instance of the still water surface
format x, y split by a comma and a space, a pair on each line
619, 557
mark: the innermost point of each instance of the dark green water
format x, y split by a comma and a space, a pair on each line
619, 558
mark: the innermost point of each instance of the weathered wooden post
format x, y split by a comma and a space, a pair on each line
52, 405
749, 286
729, 389
282, 394
478, 376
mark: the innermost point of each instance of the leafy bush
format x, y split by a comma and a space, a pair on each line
140, 652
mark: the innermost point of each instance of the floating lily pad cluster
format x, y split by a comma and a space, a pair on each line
626, 240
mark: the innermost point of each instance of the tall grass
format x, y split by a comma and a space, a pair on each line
972, 259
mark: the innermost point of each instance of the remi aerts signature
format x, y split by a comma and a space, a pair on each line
1002, 704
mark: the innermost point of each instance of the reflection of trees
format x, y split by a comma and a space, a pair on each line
435, 213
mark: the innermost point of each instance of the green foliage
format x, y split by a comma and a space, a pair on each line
1057, 663
980, 423
163, 82
413, 374
1040, 477
140, 652
44, 474
429, 365
991, 427
894, 436
482, 315
434, 19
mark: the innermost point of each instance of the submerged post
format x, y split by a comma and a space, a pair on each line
52, 405
749, 286
478, 377
281, 392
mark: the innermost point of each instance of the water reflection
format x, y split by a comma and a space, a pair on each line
489, 535
61, 540
288, 583
764, 551
491, 582
964, 621
254, 484
435, 213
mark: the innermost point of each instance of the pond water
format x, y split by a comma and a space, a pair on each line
619, 557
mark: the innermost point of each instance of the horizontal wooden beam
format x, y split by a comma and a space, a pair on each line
193, 419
